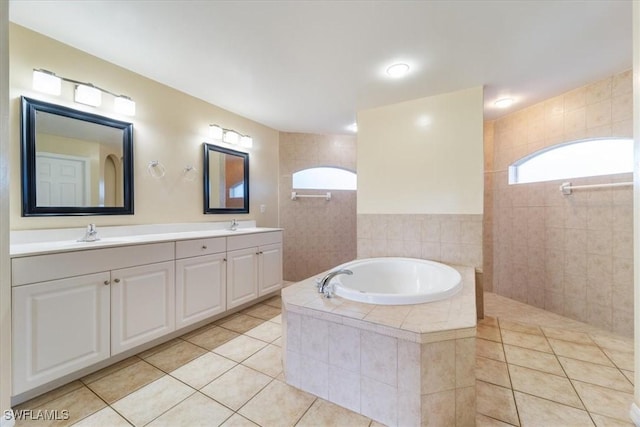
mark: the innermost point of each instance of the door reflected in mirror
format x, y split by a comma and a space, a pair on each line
75, 163
226, 180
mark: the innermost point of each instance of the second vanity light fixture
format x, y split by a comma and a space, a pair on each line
230, 136
85, 93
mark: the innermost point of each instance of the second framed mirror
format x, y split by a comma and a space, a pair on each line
226, 180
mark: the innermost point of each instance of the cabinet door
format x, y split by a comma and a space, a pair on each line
270, 269
59, 326
201, 284
142, 304
242, 276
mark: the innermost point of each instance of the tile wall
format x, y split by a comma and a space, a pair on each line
572, 255
454, 239
318, 234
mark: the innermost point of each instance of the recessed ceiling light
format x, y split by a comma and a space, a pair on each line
398, 70
504, 103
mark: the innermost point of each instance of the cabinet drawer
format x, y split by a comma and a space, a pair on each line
41, 268
197, 247
251, 240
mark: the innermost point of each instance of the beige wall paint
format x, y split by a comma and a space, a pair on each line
636, 197
5, 277
422, 156
169, 126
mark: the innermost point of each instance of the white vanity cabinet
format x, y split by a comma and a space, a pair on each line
59, 326
73, 309
254, 266
201, 279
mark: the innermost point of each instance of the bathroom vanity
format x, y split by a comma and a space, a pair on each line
82, 305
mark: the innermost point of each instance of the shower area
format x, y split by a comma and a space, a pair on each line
571, 254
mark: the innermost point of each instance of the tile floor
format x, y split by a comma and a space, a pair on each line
533, 368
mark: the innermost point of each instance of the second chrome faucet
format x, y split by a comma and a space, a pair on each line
324, 283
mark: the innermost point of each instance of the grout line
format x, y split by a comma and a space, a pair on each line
513, 394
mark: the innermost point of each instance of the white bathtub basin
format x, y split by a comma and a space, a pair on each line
396, 281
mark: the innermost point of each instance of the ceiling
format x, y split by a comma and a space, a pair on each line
309, 66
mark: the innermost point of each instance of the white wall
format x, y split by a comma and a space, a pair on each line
423, 156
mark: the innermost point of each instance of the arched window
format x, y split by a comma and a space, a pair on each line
589, 157
325, 178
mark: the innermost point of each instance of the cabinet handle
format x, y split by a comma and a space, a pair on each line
106, 282
204, 246
117, 280
257, 253
224, 260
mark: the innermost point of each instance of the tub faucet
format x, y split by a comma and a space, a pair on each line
323, 284
91, 235
234, 225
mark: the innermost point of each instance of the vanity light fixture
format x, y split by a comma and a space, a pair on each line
47, 82
85, 93
398, 70
504, 102
230, 136
88, 95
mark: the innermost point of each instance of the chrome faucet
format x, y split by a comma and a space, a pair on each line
234, 225
91, 234
323, 284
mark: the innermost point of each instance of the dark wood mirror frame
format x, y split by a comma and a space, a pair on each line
28, 161
210, 206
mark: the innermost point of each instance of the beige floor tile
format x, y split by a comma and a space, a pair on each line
278, 404
488, 333
80, 403
151, 401
537, 412
240, 348
568, 335
120, 383
547, 386
235, 387
519, 327
492, 371
175, 356
212, 337
602, 421
110, 369
268, 361
376, 424
596, 374
195, 411
278, 342
49, 396
533, 342
274, 301
262, 311
490, 349
533, 359
158, 348
622, 359
629, 375
327, 414
201, 371
237, 420
496, 402
604, 401
105, 417
613, 342
587, 353
197, 331
276, 319
484, 421
242, 323
268, 332
488, 321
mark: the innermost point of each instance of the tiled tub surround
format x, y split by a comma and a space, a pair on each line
451, 239
318, 234
569, 254
400, 365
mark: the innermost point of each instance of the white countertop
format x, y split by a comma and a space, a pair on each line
66, 240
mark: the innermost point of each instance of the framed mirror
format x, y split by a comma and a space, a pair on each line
74, 162
226, 180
